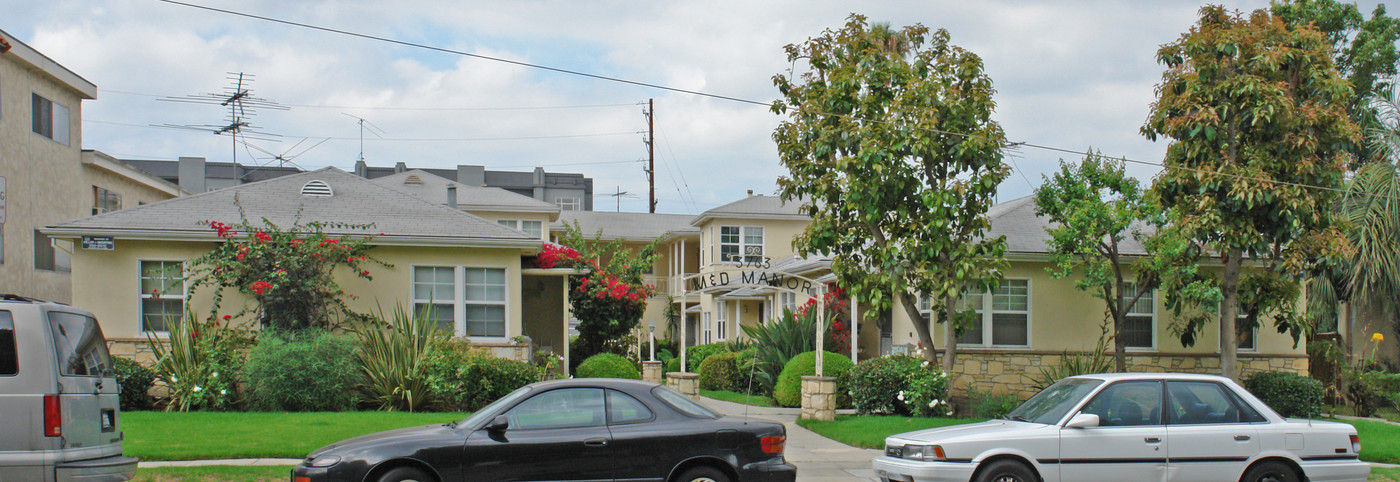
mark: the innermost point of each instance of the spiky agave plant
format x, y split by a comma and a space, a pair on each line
392, 352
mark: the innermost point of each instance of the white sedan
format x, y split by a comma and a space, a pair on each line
1131, 426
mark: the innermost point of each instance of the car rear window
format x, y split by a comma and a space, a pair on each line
79, 345
682, 403
9, 356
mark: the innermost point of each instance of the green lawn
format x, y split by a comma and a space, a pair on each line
221, 473
238, 435
755, 400
1380, 441
869, 431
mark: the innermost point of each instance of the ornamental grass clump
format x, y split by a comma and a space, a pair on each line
392, 356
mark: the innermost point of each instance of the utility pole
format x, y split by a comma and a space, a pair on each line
651, 153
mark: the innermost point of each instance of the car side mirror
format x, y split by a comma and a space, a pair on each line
498, 424
1083, 420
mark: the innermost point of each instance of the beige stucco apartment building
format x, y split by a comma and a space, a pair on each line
45, 175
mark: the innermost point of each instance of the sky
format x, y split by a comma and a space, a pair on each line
1071, 74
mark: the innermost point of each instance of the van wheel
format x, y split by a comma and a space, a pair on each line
1007, 471
1271, 471
406, 474
703, 474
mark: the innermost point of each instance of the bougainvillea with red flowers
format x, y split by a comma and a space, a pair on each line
557, 256
838, 328
288, 273
609, 295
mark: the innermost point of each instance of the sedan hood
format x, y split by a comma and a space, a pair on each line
388, 437
983, 430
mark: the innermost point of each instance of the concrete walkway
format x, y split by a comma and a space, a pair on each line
818, 459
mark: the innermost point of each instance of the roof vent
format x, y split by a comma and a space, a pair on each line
413, 179
316, 189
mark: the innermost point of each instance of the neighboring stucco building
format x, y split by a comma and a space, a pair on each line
494, 204
467, 267
45, 175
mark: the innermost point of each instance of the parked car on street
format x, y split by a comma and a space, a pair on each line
59, 417
1131, 426
577, 429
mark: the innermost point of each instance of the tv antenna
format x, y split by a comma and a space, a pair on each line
242, 106
619, 195
373, 129
282, 159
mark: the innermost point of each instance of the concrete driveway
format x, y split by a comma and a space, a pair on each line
818, 459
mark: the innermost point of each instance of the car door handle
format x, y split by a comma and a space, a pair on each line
1152, 440
1242, 438
596, 442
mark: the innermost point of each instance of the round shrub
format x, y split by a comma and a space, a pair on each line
305, 372
134, 381
1288, 394
744, 378
718, 372
898, 385
673, 365
788, 391
608, 365
697, 354
464, 379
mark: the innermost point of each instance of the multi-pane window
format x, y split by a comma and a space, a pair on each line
741, 242
162, 294
1002, 317
104, 201
1245, 336
50, 119
787, 301
707, 331
568, 203
532, 228
485, 302
1140, 320
722, 308
434, 295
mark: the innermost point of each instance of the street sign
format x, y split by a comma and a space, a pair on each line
101, 243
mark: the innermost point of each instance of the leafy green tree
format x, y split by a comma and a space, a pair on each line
890, 145
610, 299
1258, 121
1098, 209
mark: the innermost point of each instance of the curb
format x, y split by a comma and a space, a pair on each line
200, 463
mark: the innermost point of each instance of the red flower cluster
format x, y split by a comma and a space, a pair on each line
556, 255
262, 236
223, 230
259, 287
242, 253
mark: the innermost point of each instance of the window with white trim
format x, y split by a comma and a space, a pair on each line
568, 203
485, 302
707, 327
787, 302
163, 295
1140, 320
50, 119
1002, 316
532, 228
723, 308
435, 295
741, 242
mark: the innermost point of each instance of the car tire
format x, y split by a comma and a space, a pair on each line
406, 474
1007, 471
1271, 471
703, 473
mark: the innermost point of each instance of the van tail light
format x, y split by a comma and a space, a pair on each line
53, 416
773, 444
1355, 444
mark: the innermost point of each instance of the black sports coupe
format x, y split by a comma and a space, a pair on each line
579, 429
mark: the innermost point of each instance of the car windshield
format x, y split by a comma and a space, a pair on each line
1051, 404
480, 416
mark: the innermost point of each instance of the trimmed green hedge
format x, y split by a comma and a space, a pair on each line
608, 365
719, 372
1288, 394
697, 354
134, 381
788, 391
302, 372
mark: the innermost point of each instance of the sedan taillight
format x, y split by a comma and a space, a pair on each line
53, 416
773, 444
1355, 444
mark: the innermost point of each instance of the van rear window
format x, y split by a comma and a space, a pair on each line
79, 345
9, 356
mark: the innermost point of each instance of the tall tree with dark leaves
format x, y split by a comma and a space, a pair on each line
890, 145
1259, 128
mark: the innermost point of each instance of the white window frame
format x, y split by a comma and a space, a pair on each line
1239, 316
146, 295
787, 301
458, 321
988, 314
721, 307
743, 245
504, 303
519, 225
569, 203
706, 327
1151, 296
460, 303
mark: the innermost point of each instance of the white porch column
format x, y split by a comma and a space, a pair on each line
855, 329
683, 332
734, 334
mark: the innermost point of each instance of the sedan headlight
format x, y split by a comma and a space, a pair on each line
923, 452
325, 461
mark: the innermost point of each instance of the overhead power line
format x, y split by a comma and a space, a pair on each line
412, 139
324, 106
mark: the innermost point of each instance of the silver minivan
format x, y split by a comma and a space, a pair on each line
58, 396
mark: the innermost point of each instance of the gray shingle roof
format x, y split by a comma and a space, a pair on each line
402, 218
433, 188
1025, 231
630, 226
754, 207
